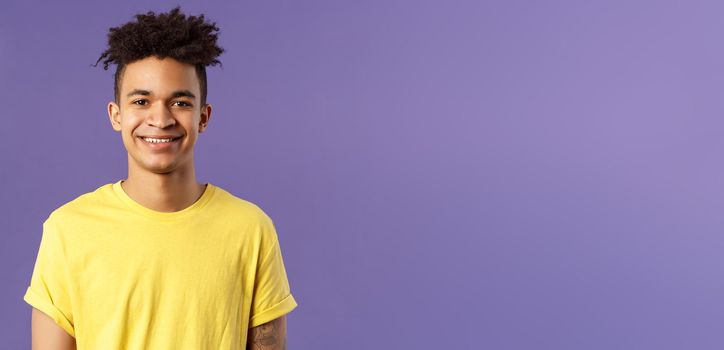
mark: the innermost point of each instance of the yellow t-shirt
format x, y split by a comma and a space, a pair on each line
117, 275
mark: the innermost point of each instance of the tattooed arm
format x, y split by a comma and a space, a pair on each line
269, 336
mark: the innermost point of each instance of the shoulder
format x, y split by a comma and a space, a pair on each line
226, 203
82, 205
244, 216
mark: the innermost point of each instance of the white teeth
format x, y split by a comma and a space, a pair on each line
153, 140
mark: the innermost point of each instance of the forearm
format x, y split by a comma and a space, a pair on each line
269, 336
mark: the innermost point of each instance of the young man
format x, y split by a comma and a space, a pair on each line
158, 260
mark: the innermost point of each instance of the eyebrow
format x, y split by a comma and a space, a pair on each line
177, 93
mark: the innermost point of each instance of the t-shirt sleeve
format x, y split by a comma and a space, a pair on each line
272, 297
49, 289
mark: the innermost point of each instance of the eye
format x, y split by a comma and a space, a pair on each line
183, 103
140, 104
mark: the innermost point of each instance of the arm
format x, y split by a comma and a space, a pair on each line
269, 336
46, 335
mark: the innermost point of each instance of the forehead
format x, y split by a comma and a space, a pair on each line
160, 76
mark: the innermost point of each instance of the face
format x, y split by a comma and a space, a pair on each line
159, 100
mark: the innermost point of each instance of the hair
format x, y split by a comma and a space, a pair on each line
190, 40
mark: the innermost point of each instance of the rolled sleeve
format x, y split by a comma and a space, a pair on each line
49, 289
272, 296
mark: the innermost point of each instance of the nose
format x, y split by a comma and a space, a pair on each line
160, 117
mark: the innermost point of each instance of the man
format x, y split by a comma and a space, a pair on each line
158, 260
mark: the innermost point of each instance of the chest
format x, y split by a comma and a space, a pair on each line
128, 268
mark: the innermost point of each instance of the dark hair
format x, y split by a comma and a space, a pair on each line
187, 39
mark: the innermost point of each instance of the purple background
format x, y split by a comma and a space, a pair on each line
442, 175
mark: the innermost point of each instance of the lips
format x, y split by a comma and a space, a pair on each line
160, 136
161, 146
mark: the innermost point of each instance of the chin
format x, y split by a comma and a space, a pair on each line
158, 166
161, 170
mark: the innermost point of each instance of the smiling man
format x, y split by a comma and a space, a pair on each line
159, 260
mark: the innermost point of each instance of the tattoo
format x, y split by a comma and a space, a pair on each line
269, 336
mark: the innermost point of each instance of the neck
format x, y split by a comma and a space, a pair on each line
167, 192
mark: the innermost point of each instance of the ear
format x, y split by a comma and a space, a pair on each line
205, 116
114, 114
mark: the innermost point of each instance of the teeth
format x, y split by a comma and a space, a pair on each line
153, 140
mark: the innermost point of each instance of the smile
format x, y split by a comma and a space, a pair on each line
155, 140
159, 143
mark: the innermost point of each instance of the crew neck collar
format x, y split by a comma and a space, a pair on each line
162, 215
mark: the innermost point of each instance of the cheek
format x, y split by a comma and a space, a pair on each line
127, 139
128, 125
127, 134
